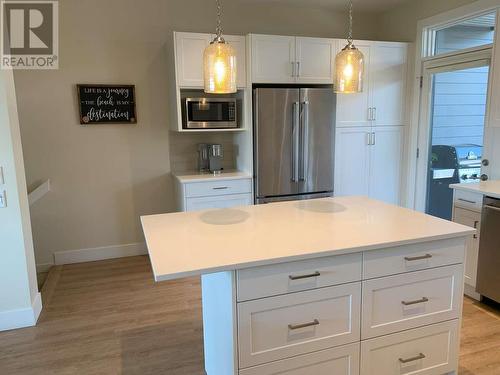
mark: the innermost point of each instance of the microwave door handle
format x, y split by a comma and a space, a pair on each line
295, 142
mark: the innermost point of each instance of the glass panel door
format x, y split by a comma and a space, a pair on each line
457, 111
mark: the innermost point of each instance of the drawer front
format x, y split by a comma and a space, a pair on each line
276, 328
379, 263
431, 350
468, 199
342, 360
223, 201
220, 187
396, 303
291, 277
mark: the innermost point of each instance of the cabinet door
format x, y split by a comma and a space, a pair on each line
388, 83
385, 164
494, 85
315, 59
471, 219
189, 48
352, 161
352, 109
222, 201
273, 59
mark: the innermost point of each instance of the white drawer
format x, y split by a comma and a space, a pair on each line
342, 360
431, 350
221, 201
219, 187
416, 257
291, 277
281, 327
468, 199
396, 303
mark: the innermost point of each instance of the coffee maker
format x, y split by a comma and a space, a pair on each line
210, 157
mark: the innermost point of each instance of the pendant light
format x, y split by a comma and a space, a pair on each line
349, 65
219, 63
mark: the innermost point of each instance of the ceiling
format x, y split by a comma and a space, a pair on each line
359, 5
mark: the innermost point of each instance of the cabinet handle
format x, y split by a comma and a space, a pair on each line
412, 359
466, 201
292, 327
475, 227
369, 139
411, 259
421, 300
373, 139
374, 113
299, 277
220, 188
369, 114
298, 69
293, 68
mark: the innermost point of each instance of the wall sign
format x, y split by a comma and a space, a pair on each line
107, 104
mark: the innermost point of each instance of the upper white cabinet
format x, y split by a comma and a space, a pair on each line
382, 102
189, 48
494, 84
288, 59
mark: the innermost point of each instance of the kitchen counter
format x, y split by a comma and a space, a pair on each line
489, 188
195, 176
195, 243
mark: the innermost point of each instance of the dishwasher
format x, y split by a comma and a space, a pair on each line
488, 270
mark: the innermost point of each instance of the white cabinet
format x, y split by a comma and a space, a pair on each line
212, 192
494, 83
382, 102
471, 219
189, 48
289, 59
368, 162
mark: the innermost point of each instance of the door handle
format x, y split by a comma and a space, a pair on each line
422, 300
422, 257
295, 142
292, 327
412, 359
304, 145
308, 276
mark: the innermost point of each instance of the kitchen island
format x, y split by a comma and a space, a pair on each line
338, 285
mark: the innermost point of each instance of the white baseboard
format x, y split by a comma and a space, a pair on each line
99, 253
21, 318
470, 291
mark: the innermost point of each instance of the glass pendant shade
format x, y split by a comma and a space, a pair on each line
219, 61
349, 67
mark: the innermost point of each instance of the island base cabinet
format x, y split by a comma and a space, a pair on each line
342, 360
431, 350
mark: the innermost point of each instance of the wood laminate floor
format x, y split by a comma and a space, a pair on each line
109, 317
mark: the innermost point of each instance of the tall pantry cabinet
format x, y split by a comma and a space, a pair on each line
370, 126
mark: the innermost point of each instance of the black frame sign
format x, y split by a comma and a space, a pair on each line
107, 104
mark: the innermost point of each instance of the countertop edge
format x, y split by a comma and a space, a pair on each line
294, 258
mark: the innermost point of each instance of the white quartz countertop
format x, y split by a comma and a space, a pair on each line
186, 177
194, 243
489, 188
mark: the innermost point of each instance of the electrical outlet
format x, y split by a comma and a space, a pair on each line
3, 199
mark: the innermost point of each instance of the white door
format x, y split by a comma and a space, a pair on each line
352, 161
189, 49
388, 83
315, 59
471, 219
386, 154
352, 109
273, 59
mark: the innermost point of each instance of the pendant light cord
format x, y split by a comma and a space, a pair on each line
219, 19
349, 38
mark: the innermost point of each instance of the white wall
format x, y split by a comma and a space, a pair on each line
104, 177
20, 301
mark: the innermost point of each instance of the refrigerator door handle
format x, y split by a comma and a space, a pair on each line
295, 141
304, 144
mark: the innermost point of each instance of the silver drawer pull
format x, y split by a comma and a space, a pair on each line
411, 259
292, 327
220, 188
412, 359
315, 274
467, 201
422, 300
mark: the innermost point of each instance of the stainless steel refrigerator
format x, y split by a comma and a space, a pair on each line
294, 131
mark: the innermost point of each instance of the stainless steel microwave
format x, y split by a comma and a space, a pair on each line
210, 113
